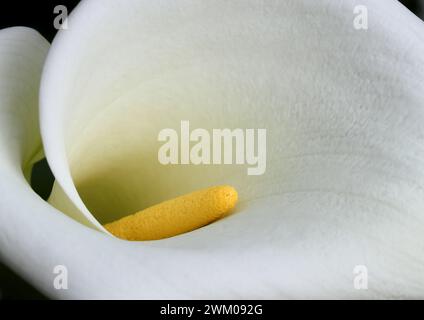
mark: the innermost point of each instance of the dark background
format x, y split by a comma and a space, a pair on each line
39, 15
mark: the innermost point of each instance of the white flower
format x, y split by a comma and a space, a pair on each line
344, 113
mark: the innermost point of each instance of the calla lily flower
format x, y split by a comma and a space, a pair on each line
344, 113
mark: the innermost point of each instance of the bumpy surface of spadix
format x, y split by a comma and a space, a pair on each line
343, 186
176, 216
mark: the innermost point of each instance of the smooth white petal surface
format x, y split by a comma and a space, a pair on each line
343, 186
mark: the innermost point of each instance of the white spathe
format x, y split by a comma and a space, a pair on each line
343, 109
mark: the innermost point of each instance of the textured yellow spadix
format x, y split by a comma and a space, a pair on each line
176, 216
